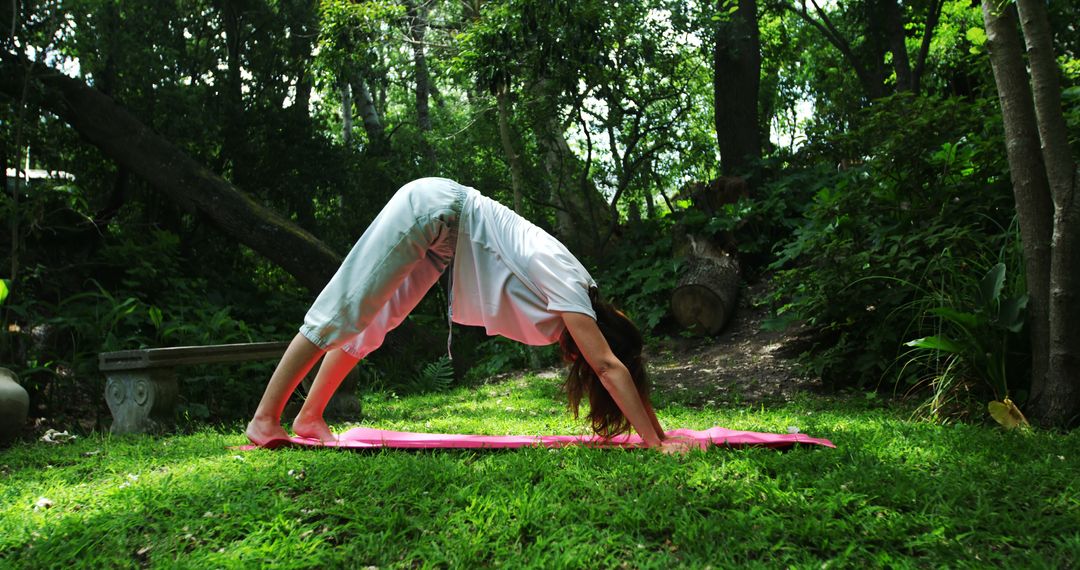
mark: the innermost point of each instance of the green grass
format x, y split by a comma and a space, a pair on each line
894, 493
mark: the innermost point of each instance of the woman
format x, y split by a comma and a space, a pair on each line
507, 275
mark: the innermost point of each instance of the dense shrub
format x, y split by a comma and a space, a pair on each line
639, 272
921, 198
144, 294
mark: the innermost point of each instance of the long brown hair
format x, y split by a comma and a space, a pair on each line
625, 340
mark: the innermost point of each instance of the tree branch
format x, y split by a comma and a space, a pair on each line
933, 13
833, 36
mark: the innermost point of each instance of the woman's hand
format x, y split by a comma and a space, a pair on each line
614, 375
677, 445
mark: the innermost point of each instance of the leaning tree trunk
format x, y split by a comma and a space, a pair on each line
704, 298
1030, 186
150, 156
580, 209
369, 113
1058, 400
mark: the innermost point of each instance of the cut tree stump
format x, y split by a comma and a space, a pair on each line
704, 297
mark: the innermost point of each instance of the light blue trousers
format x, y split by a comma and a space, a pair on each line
398, 259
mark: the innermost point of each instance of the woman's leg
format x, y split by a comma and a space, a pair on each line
417, 221
338, 363
297, 361
309, 422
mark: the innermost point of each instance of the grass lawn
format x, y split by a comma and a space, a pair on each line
894, 493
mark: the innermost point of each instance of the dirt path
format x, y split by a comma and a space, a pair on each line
744, 365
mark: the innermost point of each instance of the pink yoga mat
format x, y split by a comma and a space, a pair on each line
370, 438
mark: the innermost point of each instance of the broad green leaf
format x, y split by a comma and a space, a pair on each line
991, 284
1011, 313
156, 317
3, 290
936, 343
976, 36
966, 320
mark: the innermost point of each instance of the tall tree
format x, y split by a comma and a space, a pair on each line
543, 51
1058, 399
1044, 184
509, 139
348, 34
736, 83
369, 112
235, 31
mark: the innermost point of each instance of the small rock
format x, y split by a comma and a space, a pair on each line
53, 436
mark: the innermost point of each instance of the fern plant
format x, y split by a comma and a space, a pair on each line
436, 376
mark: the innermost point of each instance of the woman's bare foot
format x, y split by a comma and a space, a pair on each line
313, 428
263, 431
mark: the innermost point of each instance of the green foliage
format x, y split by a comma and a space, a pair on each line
771, 214
930, 200
977, 328
144, 300
640, 272
436, 376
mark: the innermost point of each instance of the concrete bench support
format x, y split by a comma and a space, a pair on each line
142, 388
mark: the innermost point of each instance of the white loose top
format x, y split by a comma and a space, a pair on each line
513, 278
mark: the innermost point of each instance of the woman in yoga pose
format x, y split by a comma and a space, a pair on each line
506, 275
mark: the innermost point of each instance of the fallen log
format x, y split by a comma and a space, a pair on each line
705, 296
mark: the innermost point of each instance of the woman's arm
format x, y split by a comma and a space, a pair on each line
614, 375
652, 418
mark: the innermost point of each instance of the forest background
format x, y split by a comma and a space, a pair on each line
211, 160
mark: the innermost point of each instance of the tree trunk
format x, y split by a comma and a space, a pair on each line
346, 111
933, 14
417, 31
132, 145
235, 135
895, 39
369, 113
302, 106
580, 210
1058, 400
509, 143
736, 82
1030, 187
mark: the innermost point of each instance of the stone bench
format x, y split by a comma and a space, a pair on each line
142, 386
